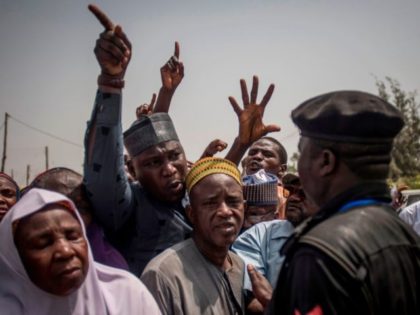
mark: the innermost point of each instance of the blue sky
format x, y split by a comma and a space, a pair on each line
305, 47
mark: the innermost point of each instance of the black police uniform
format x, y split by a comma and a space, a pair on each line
364, 260
355, 256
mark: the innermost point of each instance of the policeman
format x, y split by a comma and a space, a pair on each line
354, 256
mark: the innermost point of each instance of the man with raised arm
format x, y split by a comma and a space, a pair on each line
146, 215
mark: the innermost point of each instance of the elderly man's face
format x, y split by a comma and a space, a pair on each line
161, 170
53, 250
217, 211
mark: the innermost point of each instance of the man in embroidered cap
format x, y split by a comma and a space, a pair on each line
201, 275
352, 254
260, 193
145, 217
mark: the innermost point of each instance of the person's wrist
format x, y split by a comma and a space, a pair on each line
111, 81
241, 144
167, 91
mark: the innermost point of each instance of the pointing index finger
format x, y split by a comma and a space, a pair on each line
176, 53
102, 17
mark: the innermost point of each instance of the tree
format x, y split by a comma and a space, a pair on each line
406, 152
292, 168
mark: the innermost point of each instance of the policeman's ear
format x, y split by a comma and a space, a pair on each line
328, 162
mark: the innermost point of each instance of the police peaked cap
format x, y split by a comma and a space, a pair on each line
348, 116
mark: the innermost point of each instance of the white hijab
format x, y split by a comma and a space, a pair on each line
105, 290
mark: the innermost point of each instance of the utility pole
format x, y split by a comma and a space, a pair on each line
28, 171
3, 160
46, 158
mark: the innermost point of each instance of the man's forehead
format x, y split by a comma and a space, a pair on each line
262, 143
4, 182
161, 148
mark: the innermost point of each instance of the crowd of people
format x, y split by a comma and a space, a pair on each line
146, 231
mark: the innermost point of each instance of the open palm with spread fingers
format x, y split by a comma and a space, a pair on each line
251, 126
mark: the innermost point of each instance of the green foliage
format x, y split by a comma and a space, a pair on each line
406, 153
292, 167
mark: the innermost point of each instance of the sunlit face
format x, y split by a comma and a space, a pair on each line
53, 250
8, 193
217, 211
257, 214
263, 154
161, 170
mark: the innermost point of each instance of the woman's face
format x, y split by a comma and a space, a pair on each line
53, 250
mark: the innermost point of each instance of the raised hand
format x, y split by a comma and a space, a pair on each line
213, 147
112, 50
146, 109
251, 126
172, 72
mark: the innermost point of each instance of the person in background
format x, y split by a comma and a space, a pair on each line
259, 247
9, 193
411, 216
261, 199
269, 154
398, 199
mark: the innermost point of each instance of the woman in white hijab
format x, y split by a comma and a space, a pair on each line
46, 266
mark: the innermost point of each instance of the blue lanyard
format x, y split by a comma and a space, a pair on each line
358, 203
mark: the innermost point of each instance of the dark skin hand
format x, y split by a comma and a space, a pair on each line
261, 289
146, 109
251, 126
172, 73
113, 52
112, 49
215, 146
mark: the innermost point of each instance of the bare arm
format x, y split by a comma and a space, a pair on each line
172, 74
104, 173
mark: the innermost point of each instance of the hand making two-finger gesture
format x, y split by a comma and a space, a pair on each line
172, 72
112, 50
251, 126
